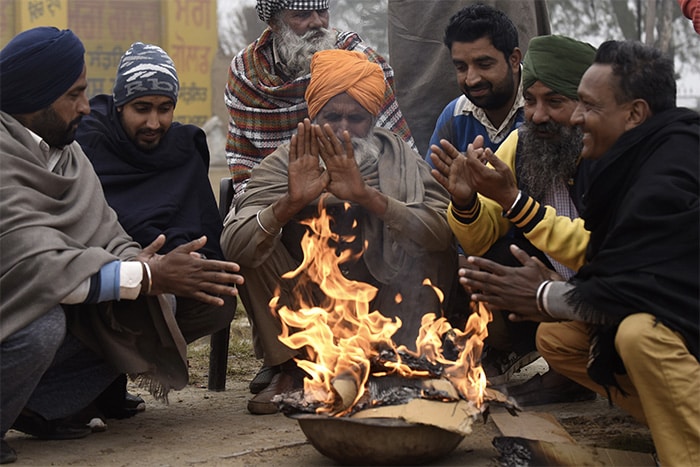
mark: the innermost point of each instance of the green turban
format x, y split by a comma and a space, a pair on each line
557, 61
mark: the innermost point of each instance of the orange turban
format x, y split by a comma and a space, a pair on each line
337, 71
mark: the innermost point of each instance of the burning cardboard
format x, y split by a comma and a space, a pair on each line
456, 417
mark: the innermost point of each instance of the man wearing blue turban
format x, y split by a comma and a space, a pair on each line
81, 301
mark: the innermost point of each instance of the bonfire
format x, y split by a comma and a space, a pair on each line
351, 361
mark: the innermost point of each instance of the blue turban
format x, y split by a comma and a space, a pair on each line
37, 67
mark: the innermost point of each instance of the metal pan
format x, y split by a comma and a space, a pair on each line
376, 441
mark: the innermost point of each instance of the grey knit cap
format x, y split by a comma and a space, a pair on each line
145, 70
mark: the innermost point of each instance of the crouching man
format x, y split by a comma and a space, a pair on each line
396, 209
628, 320
81, 302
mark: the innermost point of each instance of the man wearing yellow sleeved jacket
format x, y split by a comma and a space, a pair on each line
480, 226
532, 199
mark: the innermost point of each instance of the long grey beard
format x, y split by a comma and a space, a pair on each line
365, 149
546, 162
296, 51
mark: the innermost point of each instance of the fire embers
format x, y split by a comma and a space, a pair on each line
352, 363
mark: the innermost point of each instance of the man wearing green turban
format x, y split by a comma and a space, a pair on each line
562, 74
531, 199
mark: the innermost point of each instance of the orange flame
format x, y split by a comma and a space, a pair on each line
342, 338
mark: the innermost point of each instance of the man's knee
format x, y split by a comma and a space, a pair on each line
229, 308
547, 339
196, 319
33, 348
44, 336
633, 335
562, 340
220, 317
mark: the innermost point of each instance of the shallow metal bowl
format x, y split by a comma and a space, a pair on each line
376, 441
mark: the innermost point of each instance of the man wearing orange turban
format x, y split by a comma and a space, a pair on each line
395, 216
339, 71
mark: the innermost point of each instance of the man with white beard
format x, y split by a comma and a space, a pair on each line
398, 222
267, 80
532, 198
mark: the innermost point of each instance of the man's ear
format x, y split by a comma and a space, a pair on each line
275, 21
639, 113
516, 56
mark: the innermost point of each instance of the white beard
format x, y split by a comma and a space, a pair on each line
296, 51
365, 149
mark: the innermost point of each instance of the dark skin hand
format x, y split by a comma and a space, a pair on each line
508, 288
464, 174
452, 171
185, 273
306, 178
346, 181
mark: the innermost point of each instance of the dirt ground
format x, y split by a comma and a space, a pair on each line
203, 428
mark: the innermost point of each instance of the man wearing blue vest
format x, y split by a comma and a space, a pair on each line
483, 43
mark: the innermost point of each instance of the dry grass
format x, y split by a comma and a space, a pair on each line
242, 364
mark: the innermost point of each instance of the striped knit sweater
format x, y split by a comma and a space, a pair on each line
264, 109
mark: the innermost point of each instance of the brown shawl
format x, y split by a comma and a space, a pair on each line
420, 225
412, 243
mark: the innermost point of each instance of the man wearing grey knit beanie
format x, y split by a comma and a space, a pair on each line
154, 173
146, 73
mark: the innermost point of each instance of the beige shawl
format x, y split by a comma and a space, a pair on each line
56, 231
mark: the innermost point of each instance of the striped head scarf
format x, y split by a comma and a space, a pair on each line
267, 8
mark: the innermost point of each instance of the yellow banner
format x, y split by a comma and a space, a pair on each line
191, 41
33, 13
185, 29
107, 29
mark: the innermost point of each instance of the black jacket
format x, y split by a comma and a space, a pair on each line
166, 190
642, 210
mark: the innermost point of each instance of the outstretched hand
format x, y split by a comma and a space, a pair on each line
499, 184
508, 288
452, 172
346, 181
465, 174
184, 272
307, 179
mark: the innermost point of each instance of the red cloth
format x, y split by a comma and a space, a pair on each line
691, 10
